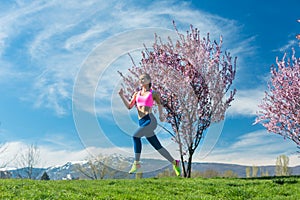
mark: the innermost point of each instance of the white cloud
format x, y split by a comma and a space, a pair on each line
78, 40
5, 72
16, 18
62, 35
243, 49
43, 27
288, 47
48, 156
53, 94
255, 148
246, 102
3, 36
9, 76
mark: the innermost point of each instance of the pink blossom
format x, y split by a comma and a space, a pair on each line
281, 104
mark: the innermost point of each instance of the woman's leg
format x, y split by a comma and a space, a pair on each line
147, 126
148, 132
156, 144
137, 146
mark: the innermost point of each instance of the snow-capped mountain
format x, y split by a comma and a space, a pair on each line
65, 172
117, 166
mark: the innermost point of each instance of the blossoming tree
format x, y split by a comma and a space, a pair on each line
193, 78
280, 107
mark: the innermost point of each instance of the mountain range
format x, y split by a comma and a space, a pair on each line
118, 167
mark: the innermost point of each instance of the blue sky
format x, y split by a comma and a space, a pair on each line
58, 63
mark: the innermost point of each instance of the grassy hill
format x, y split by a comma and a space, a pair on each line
153, 188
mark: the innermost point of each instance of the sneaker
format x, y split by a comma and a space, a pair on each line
176, 167
135, 167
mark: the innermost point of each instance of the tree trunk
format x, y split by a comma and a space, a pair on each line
183, 166
189, 167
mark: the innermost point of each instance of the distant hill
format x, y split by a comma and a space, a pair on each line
71, 170
240, 170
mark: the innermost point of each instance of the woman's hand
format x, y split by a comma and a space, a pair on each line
128, 104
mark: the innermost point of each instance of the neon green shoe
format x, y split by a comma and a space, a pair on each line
136, 166
176, 167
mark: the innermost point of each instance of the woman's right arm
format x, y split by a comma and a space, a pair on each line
128, 104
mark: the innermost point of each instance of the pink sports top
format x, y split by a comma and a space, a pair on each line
145, 100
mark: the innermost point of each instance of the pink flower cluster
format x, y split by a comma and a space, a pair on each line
280, 108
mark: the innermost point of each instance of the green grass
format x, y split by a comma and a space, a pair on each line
153, 188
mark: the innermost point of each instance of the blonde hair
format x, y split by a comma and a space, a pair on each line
146, 76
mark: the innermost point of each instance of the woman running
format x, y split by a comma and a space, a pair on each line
144, 101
